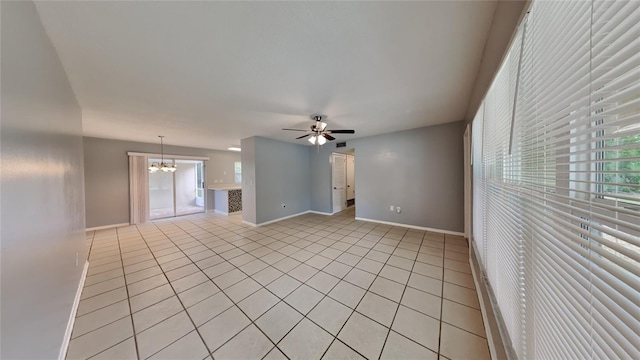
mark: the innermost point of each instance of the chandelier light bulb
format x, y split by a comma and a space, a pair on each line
162, 166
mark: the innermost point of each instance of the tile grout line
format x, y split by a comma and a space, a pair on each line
386, 263
405, 285
117, 240
252, 322
400, 301
325, 296
366, 291
133, 326
244, 238
175, 294
278, 297
232, 301
444, 250
282, 300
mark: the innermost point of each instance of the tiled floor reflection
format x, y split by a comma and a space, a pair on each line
206, 286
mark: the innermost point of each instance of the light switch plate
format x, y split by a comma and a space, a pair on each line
391, 208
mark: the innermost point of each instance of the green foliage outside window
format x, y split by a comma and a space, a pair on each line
621, 175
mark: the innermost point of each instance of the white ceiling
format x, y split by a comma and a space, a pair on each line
207, 74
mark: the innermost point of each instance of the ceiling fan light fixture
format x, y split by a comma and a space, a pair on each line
318, 134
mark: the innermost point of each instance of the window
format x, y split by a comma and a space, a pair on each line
557, 182
199, 180
621, 165
237, 172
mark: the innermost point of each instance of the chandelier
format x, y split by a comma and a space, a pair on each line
162, 166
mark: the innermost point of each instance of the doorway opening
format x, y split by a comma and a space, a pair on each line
343, 180
177, 193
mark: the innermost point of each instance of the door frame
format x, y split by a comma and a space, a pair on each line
351, 157
334, 209
467, 181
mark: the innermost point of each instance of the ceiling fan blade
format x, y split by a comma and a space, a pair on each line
302, 137
340, 131
295, 129
329, 137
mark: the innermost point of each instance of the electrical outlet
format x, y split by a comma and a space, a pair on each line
284, 205
398, 209
391, 208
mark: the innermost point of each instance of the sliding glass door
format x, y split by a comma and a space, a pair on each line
176, 193
161, 200
188, 187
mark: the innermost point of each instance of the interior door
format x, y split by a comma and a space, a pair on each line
351, 180
339, 180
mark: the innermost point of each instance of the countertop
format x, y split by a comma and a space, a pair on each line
226, 187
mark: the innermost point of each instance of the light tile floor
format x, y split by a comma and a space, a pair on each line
180, 210
206, 286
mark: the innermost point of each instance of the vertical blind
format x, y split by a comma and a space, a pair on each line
556, 170
138, 189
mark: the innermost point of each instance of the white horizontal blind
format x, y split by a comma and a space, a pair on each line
560, 207
478, 186
614, 251
504, 262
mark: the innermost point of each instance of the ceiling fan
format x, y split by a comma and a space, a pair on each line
319, 132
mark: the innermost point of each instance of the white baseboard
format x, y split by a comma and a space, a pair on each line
74, 310
282, 218
227, 213
412, 226
248, 223
275, 220
320, 213
106, 227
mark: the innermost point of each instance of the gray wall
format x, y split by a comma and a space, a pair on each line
281, 177
107, 174
42, 196
505, 22
221, 166
420, 170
